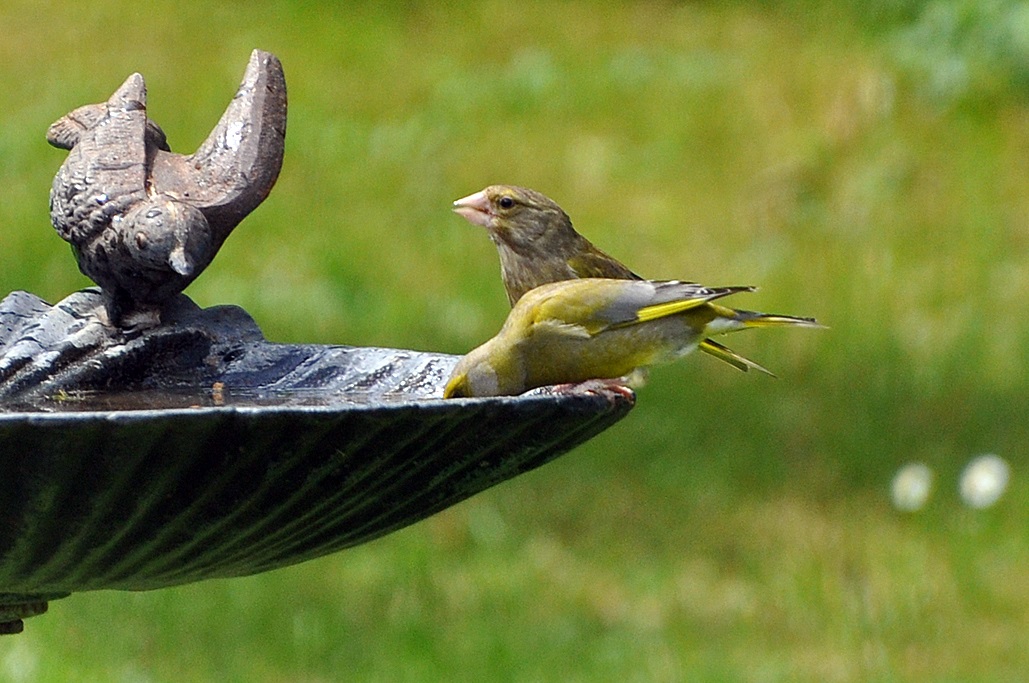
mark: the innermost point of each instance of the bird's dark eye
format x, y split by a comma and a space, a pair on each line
506, 202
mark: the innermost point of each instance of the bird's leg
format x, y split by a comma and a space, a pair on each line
615, 385
122, 313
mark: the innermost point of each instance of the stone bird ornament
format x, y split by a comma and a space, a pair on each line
143, 221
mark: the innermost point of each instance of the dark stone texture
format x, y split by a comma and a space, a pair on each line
196, 449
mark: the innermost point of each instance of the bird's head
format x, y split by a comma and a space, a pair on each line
474, 375
166, 235
457, 387
488, 370
516, 216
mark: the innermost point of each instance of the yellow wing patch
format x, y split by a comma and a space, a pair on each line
666, 309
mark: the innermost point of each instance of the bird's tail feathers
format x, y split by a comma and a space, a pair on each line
755, 319
730, 320
725, 354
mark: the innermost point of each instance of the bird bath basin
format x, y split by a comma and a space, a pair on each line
146, 442
226, 455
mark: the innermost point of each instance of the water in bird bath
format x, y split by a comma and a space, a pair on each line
187, 397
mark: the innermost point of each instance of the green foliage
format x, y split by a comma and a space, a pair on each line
971, 53
967, 50
734, 527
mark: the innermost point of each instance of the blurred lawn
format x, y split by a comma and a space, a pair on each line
863, 163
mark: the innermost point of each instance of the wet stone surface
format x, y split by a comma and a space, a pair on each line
197, 449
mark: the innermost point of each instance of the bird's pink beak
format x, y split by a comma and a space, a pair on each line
475, 208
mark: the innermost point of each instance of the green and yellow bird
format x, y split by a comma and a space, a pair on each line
601, 328
538, 245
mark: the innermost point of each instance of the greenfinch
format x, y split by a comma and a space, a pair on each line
537, 245
601, 328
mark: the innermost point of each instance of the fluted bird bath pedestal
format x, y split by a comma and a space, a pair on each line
145, 442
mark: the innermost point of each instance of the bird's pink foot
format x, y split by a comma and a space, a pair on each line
593, 386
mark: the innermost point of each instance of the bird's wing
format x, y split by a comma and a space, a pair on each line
559, 328
587, 307
66, 131
107, 170
235, 168
661, 299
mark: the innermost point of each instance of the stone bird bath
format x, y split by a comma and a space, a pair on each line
145, 442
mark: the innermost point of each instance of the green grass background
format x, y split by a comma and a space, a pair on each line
865, 163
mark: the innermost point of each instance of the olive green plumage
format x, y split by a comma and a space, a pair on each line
577, 330
537, 245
